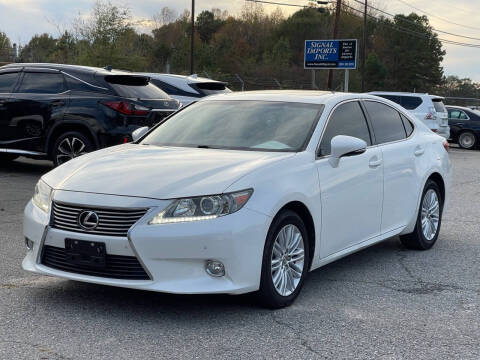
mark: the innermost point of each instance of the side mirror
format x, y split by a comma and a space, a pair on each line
137, 134
342, 145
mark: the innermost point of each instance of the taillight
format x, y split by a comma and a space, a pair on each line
446, 145
127, 108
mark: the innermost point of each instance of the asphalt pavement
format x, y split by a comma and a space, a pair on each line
384, 302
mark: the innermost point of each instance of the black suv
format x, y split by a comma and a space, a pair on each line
62, 111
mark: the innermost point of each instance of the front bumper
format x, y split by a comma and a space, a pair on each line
174, 255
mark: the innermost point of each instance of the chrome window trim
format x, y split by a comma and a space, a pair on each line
370, 146
87, 83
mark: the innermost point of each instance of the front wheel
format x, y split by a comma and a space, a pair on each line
70, 145
429, 219
285, 261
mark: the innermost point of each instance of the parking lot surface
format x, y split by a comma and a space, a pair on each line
384, 302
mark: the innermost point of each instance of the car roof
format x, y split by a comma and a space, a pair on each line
300, 96
406, 94
192, 79
458, 107
66, 68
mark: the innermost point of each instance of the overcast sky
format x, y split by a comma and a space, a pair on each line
21, 19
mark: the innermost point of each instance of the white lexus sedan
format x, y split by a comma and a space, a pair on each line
242, 192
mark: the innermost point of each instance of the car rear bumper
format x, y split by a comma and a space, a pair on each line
173, 255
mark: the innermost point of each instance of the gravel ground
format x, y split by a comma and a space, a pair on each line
384, 302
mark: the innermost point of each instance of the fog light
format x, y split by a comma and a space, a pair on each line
215, 268
28, 244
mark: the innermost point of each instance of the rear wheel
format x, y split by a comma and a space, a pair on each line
285, 261
70, 145
429, 220
467, 140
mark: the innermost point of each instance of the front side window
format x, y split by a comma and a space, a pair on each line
8, 81
239, 125
347, 119
42, 83
386, 121
457, 114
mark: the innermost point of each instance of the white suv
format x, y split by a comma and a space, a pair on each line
428, 108
187, 89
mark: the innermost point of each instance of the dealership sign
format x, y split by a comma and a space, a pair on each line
330, 54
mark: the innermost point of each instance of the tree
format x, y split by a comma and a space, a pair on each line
207, 25
40, 48
5, 47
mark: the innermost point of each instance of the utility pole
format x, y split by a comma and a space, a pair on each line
364, 53
335, 34
192, 37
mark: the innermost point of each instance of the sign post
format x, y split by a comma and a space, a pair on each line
331, 54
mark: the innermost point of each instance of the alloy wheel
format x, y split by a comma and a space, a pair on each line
69, 148
430, 214
287, 262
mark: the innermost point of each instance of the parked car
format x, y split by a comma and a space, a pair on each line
187, 89
428, 108
59, 112
249, 202
464, 126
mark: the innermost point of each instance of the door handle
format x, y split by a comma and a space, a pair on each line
375, 162
419, 151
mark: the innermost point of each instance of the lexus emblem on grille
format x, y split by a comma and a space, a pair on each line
88, 220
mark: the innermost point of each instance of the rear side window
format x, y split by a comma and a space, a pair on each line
438, 105
411, 102
347, 119
42, 83
8, 81
77, 85
407, 125
457, 114
394, 98
386, 121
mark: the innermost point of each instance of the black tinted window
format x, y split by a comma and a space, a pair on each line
394, 98
411, 102
42, 83
148, 91
386, 122
7, 81
408, 125
169, 89
347, 119
77, 85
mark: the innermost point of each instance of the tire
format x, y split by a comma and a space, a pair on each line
467, 140
421, 239
63, 150
5, 157
289, 223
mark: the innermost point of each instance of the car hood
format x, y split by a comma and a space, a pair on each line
158, 172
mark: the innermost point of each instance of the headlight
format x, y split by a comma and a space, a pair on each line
202, 207
42, 196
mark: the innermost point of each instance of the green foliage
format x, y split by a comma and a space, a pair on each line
404, 52
5, 47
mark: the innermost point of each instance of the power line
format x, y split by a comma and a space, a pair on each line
413, 22
277, 3
436, 16
415, 33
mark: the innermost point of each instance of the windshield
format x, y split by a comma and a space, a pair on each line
239, 125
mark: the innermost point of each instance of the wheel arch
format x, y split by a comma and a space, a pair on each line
302, 210
64, 127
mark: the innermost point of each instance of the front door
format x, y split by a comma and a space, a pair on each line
352, 193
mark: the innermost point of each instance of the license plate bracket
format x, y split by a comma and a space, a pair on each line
90, 254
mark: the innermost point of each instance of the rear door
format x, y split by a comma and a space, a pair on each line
458, 120
37, 103
393, 135
8, 80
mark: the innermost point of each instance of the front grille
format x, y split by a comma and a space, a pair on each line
112, 222
117, 266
